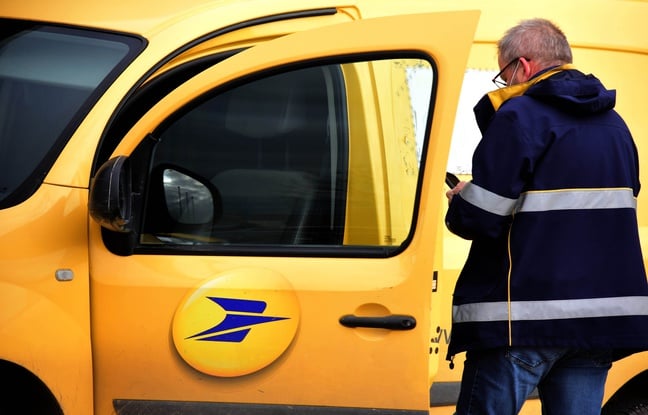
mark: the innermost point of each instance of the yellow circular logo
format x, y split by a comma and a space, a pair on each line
237, 323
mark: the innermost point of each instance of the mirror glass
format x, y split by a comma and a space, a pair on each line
187, 200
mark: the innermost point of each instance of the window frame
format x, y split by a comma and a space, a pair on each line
127, 244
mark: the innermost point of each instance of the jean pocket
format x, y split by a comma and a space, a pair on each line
531, 358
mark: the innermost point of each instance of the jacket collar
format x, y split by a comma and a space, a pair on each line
500, 96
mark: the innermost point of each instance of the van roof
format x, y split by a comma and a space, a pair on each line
614, 24
144, 17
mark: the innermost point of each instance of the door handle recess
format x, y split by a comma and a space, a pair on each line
391, 322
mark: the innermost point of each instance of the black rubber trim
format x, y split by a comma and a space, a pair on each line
142, 407
447, 394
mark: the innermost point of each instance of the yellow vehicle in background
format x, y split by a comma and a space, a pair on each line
608, 39
236, 207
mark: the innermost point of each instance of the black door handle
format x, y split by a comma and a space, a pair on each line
391, 322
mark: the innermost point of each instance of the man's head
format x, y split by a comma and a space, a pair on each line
529, 47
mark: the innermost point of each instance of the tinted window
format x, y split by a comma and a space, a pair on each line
315, 156
49, 77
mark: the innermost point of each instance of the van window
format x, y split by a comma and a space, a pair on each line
318, 156
49, 78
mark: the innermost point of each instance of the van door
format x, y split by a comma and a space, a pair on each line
269, 228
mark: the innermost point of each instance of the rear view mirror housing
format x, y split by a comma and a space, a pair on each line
110, 201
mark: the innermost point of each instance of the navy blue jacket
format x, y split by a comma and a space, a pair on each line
555, 259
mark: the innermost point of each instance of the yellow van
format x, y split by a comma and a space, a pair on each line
222, 207
212, 207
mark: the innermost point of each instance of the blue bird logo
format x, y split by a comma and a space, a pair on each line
241, 316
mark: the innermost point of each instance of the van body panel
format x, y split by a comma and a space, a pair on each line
45, 322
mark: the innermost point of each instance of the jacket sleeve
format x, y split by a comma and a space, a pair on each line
503, 160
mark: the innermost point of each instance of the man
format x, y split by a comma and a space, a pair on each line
554, 288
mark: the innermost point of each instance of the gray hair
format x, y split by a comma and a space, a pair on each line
535, 39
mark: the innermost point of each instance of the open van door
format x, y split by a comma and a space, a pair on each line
268, 238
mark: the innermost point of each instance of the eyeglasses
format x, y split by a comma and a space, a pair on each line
497, 79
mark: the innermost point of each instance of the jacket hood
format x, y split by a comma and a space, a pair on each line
564, 88
573, 92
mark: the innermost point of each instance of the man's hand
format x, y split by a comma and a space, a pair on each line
450, 193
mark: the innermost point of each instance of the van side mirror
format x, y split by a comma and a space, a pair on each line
110, 202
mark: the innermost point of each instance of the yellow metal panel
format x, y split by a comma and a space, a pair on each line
45, 323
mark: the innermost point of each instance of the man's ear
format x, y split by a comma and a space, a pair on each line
528, 68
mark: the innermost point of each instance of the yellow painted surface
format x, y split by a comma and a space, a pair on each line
88, 358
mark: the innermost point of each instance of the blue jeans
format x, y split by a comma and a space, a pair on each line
498, 381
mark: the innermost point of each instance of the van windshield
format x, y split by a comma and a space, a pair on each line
49, 79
